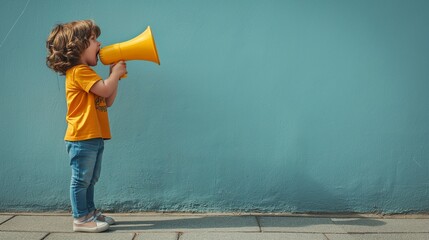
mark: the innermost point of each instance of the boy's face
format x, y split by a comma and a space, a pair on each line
90, 55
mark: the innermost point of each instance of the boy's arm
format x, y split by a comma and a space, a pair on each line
110, 100
107, 87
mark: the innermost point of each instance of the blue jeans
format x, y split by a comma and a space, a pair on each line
85, 161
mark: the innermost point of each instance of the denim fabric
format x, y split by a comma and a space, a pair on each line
85, 161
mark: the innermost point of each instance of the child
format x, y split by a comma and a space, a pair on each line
72, 50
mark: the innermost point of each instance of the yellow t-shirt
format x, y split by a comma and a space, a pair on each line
86, 112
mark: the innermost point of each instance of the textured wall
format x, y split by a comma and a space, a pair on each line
257, 106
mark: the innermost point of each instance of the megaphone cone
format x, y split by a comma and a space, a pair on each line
141, 47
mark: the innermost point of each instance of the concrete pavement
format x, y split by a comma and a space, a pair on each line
158, 226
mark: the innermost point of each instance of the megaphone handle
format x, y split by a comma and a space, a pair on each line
123, 76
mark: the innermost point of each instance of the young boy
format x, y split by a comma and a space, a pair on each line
72, 50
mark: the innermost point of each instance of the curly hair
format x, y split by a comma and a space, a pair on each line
66, 43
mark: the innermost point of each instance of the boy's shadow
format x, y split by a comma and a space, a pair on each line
241, 223
177, 223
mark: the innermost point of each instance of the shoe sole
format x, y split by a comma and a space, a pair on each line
91, 230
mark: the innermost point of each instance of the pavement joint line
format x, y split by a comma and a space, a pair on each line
23, 231
181, 233
46, 235
324, 234
259, 223
134, 236
7, 219
300, 232
387, 233
36, 214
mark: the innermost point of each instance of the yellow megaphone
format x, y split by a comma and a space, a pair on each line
141, 47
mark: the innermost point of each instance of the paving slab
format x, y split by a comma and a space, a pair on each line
371, 225
185, 224
157, 236
4, 218
90, 236
22, 235
380, 236
252, 236
38, 224
299, 224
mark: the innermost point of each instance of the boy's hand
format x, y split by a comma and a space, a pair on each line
119, 69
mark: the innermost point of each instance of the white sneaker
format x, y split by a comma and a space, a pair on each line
91, 225
101, 217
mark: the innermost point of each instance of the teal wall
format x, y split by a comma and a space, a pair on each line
296, 106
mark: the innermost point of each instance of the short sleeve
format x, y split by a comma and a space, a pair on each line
85, 77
